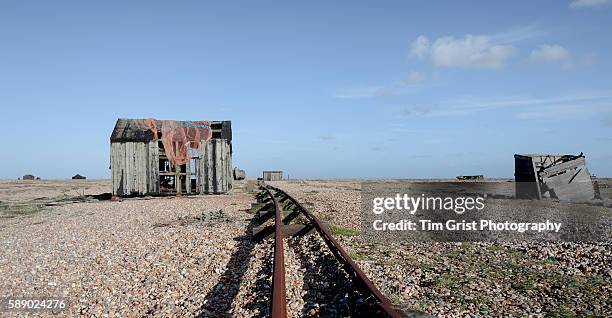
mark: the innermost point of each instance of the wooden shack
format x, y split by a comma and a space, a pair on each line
198, 161
563, 177
272, 175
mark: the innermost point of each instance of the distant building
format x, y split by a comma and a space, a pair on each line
272, 175
151, 156
78, 177
28, 177
239, 174
472, 177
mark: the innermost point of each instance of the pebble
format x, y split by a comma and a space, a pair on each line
479, 279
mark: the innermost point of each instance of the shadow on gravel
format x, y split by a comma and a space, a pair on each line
261, 302
329, 291
219, 300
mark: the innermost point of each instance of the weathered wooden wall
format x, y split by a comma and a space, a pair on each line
215, 167
526, 183
135, 167
569, 181
538, 176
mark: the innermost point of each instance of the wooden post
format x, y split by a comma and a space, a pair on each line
537, 178
188, 173
177, 171
197, 172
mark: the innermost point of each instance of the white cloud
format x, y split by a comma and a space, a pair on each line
472, 51
420, 47
402, 87
580, 106
518, 34
552, 53
588, 3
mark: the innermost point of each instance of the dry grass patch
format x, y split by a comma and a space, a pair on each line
14, 210
343, 231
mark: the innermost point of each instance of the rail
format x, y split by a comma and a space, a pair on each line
279, 306
279, 293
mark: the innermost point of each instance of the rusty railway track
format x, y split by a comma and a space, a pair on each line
358, 277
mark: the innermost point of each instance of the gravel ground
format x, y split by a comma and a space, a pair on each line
182, 257
469, 279
158, 257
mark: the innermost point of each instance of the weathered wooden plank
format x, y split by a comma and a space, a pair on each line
122, 167
113, 165
144, 164
133, 173
153, 158
197, 172
128, 167
126, 170
563, 166
539, 190
188, 175
209, 175
141, 167
218, 182
132, 167
136, 167
138, 162
119, 164
229, 167
177, 170
201, 173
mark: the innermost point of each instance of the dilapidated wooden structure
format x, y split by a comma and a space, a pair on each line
478, 177
563, 177
272, 175
199, 160
239, 174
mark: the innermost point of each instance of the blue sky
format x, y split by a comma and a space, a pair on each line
349, 89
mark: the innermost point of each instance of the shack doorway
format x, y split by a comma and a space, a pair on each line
178, 179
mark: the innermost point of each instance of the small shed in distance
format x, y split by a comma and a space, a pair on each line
272, 175
150, 156
239, 174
